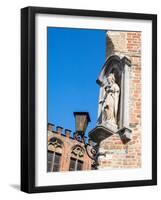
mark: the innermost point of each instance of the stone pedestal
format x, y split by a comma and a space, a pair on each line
100, 133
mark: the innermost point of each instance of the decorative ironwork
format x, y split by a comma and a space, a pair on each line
93, 153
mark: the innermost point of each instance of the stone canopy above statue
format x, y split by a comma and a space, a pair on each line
113, 97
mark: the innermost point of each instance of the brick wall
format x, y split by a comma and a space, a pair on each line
119, 155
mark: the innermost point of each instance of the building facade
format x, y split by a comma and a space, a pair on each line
66, 153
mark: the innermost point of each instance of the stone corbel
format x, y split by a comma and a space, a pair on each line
125, 134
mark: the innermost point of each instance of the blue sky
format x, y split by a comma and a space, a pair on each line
75, 58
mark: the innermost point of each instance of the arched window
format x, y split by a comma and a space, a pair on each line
54, 154
76, 160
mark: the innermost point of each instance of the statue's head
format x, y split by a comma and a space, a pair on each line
111, 78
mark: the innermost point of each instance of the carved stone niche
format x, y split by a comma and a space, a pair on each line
117, 68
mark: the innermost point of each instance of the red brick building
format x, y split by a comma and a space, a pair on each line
65, 153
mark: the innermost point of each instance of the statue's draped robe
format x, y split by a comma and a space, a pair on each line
108, 108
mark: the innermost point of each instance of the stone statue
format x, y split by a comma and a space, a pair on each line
109, 101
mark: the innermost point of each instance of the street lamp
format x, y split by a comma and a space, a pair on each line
81, 122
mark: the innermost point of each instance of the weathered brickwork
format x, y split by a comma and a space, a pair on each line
119, 155
67, 149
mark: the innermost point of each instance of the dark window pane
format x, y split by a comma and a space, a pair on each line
56, 165
50, 158
79, 165
75, 165
72, 164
